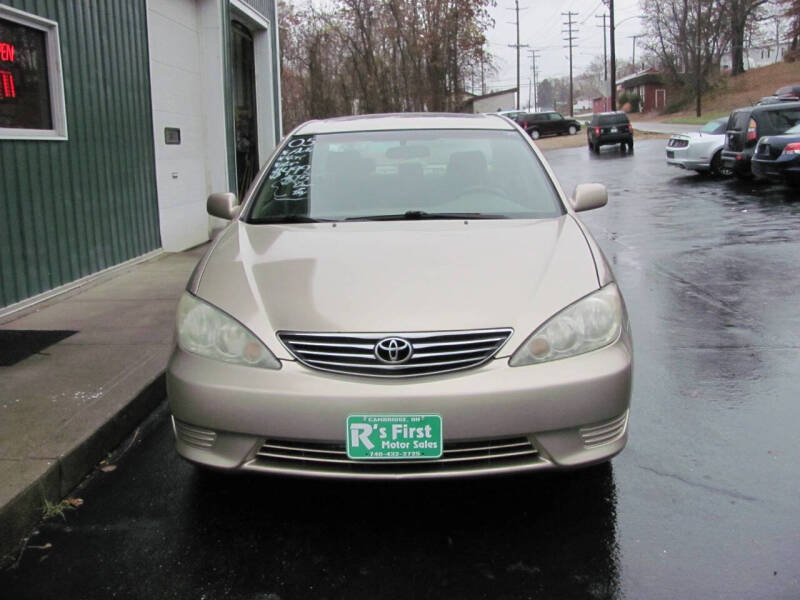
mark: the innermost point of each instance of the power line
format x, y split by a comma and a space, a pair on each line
589, 16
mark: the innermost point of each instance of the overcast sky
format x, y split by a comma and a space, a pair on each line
541, 26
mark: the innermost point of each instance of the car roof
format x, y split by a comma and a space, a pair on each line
769, 107
404, 121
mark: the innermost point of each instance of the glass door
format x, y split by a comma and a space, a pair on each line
244, 105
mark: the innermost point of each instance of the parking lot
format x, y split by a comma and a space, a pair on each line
703, 503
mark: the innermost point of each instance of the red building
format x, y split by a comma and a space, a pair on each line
647, 84
650, 87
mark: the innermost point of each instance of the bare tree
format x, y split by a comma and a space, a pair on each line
688, 37
381, 56
791, 10
742, 15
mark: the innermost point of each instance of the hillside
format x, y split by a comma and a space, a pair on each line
743, 90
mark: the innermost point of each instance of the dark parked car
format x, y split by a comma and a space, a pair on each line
777, 157
547, 123
609, 128
748, 125
787, 93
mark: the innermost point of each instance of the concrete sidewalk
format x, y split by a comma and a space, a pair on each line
63, 409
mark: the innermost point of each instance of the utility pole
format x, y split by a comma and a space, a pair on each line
517, 46
570, 39
605, 52
483, 78
533, 55
613, 68
777, 38
635, 37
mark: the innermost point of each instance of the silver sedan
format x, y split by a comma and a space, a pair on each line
402, 296
699, 151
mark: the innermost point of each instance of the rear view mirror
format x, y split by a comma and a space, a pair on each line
224, 205
588, 196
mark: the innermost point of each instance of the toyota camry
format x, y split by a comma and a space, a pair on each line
402, 296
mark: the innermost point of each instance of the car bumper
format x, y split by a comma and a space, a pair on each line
738, 162
782, 169
562, 414
681, 158
613, 138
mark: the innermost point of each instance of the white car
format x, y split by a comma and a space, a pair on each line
700, 151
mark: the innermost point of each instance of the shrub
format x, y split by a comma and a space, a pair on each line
632, 99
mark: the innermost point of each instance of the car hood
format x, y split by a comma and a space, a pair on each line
398, 276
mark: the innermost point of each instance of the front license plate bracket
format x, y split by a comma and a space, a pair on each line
394, 437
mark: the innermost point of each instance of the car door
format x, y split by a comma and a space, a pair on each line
556, 123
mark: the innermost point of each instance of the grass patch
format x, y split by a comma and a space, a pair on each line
701, 120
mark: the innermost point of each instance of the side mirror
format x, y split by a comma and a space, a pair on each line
588, 196
223, 205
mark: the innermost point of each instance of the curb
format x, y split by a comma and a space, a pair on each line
21, 514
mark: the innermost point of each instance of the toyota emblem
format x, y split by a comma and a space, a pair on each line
393, 350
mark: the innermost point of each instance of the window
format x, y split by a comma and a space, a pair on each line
31, 81
781, 120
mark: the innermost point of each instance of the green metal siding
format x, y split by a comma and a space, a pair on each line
72, 208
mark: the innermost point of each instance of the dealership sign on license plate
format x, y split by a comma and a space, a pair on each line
396, 437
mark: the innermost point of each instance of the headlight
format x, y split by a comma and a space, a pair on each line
209, 332
591, 323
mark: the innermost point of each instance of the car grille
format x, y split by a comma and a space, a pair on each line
332, 457
430, 353
677, 143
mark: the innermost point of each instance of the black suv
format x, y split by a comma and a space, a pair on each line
547, 123
748, 125
609, 128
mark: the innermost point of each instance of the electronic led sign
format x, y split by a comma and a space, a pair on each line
24, 80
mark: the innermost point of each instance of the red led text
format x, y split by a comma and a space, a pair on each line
7, 85
6, 52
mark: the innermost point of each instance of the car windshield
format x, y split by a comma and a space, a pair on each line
793, 130
612, 120
716, 126
405, 175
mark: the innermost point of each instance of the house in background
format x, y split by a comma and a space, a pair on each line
758, 56
117, 119
649, 85
493, 102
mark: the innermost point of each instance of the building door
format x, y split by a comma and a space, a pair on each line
244, 105
661, 99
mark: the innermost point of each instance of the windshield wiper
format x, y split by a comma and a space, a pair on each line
411, 215
287, 219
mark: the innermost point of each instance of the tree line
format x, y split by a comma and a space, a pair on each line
373, 56
688, 38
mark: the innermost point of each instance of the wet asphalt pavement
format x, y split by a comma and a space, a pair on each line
703, 503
